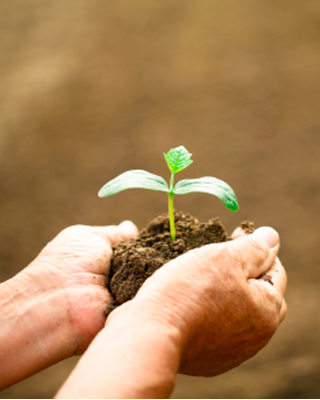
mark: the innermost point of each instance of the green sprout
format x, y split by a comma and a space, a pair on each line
177, 159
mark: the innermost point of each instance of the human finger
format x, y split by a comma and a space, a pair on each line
128, 230
277, 277
271, 294
238, 232
256, 252
115, 233
274, 283
245, 228
283, 311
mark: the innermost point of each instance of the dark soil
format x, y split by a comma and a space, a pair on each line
135, 260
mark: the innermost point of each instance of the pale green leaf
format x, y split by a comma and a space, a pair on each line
178, 159
134, 179
209, 185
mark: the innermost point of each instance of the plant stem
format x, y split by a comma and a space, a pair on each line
171, 217
171, 212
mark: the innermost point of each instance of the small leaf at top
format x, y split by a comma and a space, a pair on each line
178, 159
134, 179
209, 185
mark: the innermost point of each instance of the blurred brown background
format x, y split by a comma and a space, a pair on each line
90, 89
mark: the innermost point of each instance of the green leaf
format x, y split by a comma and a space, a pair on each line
134, 179
210, 185
178, 159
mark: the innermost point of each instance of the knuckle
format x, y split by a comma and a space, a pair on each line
260, 249
271, 319
253, 251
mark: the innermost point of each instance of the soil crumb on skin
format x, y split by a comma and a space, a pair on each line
247, 226
135, 260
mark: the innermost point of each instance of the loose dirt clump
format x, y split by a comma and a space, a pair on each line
135, 260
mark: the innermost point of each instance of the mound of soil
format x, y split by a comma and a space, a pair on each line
135, 260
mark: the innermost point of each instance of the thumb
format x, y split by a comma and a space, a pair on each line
257, 251
268, 235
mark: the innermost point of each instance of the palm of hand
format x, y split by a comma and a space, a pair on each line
77, 265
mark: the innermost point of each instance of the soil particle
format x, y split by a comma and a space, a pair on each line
135, 260
247, 226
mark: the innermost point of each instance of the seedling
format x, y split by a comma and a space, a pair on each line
177, 159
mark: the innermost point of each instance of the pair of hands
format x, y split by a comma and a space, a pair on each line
216, 296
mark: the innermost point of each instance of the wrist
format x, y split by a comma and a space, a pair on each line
136, 355
148, 323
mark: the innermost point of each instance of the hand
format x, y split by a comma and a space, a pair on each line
75, 265
202, 313
54, 307
220, 301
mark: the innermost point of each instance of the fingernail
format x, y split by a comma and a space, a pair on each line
269, 235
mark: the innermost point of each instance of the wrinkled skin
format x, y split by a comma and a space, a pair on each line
203, 313
226, 312
55, 306
76, 264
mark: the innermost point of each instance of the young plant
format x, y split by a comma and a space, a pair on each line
177, 159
